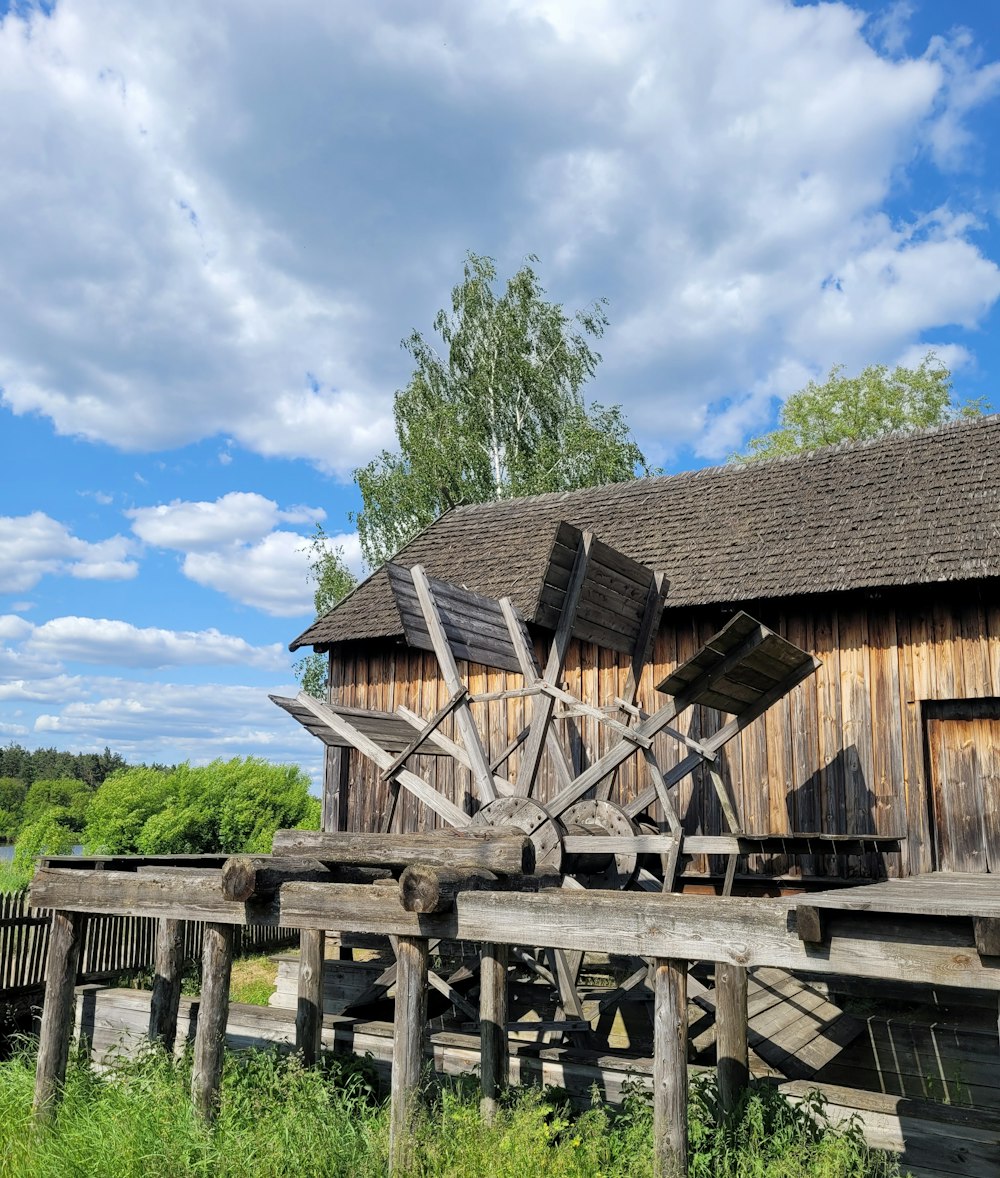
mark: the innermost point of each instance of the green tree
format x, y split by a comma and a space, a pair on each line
48, 834
13, 791
858, 408
69, 795
333, 580
497, 413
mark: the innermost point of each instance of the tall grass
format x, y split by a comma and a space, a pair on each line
277, 1118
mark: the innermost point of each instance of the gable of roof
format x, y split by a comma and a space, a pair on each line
906, 509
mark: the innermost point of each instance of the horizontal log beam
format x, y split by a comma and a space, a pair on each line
507, 852
934, 951
434, 889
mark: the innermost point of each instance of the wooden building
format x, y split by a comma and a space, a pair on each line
883, 559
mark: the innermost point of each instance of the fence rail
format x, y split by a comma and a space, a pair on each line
112, 944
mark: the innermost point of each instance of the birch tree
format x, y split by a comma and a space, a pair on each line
493, 410
857, 408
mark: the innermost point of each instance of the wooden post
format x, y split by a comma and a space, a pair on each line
492, 1027
309, 1008
407, 1044
166, 996
732, 1060
670, 1136
213, 1012
62, 963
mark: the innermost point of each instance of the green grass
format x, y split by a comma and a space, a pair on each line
276, 1118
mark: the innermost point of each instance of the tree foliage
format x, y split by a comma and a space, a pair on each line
497, 412
332, 580
857, 408
227, 806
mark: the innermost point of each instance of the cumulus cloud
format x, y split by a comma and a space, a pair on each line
173, 722
237, 518
117, 643
32, 546
225, 233
233, 545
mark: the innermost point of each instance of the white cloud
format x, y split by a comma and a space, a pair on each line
110, 642
233, 545
237, 518
214, 223
33, 546
13, 627
174, 722
271, 575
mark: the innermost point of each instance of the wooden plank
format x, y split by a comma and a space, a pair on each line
430, 727
213, 1012
670, 1128
409, 1029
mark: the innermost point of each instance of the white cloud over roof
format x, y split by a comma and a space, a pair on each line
242, 215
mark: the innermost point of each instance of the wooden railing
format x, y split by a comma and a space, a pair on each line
112, 945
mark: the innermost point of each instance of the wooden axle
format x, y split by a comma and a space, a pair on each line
434, 889
497, 849
259, 877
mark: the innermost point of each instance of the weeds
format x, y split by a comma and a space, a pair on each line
135, 1120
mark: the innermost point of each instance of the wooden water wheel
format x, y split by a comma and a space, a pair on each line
582, 837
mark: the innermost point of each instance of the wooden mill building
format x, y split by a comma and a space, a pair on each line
882, 559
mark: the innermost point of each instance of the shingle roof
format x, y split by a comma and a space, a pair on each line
906, 509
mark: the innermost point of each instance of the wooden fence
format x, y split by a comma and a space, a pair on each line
112, 944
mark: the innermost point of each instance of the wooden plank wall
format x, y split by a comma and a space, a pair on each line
844, 753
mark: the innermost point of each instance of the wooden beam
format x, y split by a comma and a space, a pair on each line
496, 849
62, 962
213, 1013
541, 709
309, 1000
167, 969
364, 744
435, 889
452, 748
482, 775
409, 1028
258, 877
732, 1056
670, 1135
750, 932
432, 725
532, 673
493, 1051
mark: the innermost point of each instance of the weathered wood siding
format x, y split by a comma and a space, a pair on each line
843, 753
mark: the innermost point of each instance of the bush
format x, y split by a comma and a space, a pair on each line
227, 806
49, 834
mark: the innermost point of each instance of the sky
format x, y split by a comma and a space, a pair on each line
218, 221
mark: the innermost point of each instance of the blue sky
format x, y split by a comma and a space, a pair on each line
217, 222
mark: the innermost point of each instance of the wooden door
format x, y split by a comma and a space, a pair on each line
963, 754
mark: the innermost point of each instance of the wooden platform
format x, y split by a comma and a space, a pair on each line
947, 894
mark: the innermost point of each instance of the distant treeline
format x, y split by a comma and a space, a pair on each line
30, 765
